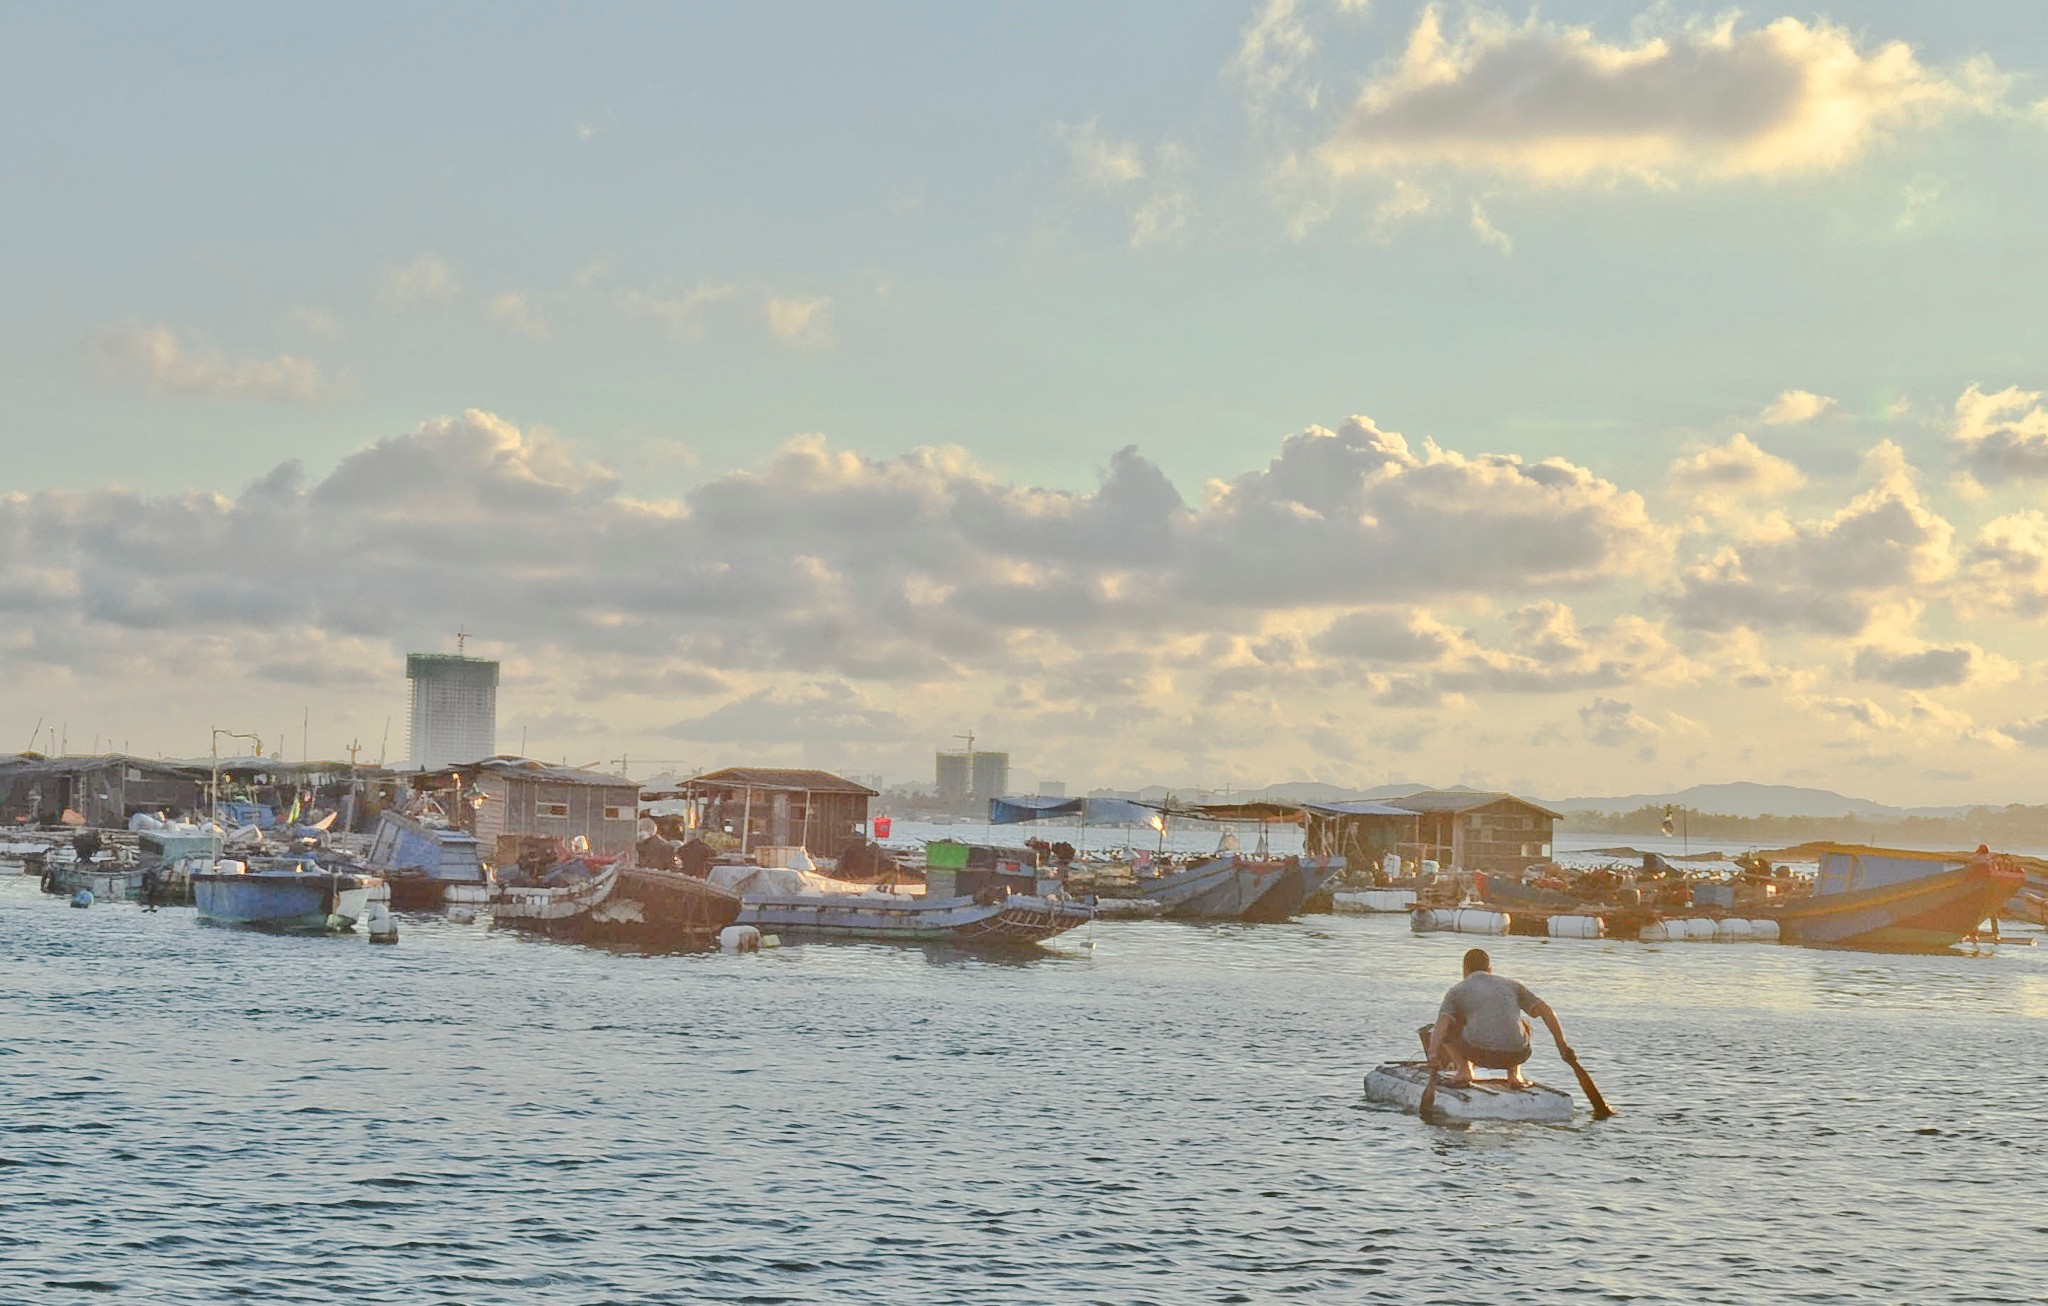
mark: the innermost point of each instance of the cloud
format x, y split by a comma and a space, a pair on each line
1611, 723
681, 311
1156, 200
314, 321
1795, 406
2002, 436
1275, 46
515, 312
2033, 733
799, 320
1921, 666
164, 360
820, 712
1557, 105
2005, 569
427, 280
1734, 475
1830, 576
1546, 651
1488, 234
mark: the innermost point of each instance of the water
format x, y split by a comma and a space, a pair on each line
1171, 1115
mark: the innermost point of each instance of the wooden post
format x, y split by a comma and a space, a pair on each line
746, 820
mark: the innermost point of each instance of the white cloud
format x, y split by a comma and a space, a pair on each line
1275, 45
164, 360
1488, 234
514, 311
1558, 105
1611, 723
800, 320
314, 321
682, 312
427, 280
2003, 436
1153, 192
2005, 569
1102, 163
1830, 576
1795, 406
1737, 475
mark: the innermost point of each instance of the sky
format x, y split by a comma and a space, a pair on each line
1580, 400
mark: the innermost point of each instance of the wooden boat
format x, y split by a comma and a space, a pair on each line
1302, 878
305, 898
1895, 898
780, 901
549, 907
1401, 1083
1234, 887
2029, 905
423, 862
659, 906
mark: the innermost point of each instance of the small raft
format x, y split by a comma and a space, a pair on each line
1400, 1083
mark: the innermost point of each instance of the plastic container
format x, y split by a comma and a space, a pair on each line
1732, 929
1478, 920
1660, 932
1699, 930
1763, 931
1577, 927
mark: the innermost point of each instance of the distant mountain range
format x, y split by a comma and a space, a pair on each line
1741, 798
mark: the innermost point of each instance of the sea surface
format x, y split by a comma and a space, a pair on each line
1138, 1112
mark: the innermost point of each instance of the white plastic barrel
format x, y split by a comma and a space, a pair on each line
1390, 865
1428, 868
1577, 927
1427, 919
1763, 931
739, 938
1477, 920
1661, 932
1731, 929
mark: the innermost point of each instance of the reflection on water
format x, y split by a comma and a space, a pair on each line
1173, 1114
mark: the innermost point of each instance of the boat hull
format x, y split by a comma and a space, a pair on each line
1401, 1083
1301, 879
1934, 911
1233, 888
1007, 921
659, 906
544, 908
282, 901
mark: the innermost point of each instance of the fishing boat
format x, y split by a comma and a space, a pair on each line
659, 907
1234, 887
423, 863
1896, 898
558, 900
300, 897
783, 901
1401, 1084
1302, 879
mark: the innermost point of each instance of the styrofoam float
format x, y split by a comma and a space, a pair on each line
1362, 902
1400, 1083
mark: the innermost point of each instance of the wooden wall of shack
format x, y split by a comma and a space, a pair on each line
1506, 835
514, 804
105, 790
828, 824
1362, 841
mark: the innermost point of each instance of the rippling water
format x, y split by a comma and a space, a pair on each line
1144, 1112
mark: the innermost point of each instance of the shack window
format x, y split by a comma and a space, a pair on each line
560, 810
618, 813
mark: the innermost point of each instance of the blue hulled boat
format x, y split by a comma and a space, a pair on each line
297, 897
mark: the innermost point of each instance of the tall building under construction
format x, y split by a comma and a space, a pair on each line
966, 775
454, 709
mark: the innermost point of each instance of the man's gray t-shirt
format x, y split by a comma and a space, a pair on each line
1489, 1009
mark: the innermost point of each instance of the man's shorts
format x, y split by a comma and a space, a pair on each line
1489, 1058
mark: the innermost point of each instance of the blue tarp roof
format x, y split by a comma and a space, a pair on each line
1092, 811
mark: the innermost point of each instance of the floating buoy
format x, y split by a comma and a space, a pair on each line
739, 938
1763, 931
382, 925
771, 940
83, 898
1475, 920
1577, 927
1732, 929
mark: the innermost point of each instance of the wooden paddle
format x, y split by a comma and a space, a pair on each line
1601, 1110
1428, 1103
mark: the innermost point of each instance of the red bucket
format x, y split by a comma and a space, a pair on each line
882, 826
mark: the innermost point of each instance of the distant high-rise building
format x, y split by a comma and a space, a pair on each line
973, 775
454, 709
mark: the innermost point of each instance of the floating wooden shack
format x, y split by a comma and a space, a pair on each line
1479, 831
506, 800
104, 789
771, 807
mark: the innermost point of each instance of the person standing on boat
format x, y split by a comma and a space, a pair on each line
1480, 1023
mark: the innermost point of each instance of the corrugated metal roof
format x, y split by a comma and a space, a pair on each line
1358, 807
524, 768
1463, 800
768, 777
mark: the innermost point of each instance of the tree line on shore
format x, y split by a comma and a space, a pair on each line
2010, 826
